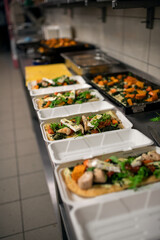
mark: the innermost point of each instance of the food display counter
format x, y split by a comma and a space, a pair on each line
83, 218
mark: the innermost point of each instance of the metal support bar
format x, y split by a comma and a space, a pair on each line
121, 4
103, 9
150, 17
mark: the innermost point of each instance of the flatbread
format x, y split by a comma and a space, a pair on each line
49, 136
98, 189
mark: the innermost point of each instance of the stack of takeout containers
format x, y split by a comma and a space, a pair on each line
126, 214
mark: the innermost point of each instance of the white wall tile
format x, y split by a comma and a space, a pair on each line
135, 63
154, 53
136, 39
114, 12
135, 12
113, 33
154, 72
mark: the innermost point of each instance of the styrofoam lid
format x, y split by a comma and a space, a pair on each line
76, 108
88, 147
133, 217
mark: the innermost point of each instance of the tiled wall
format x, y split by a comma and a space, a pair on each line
123, 35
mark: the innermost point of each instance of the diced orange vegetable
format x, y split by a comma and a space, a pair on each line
36, 87
130, 90
115, 80
101, 83
153, 92
129, 102
113, 90
125, 85
114, 121
39, 80
47, 105
119, 76
130, 96
154, 97
59, 84
139, 84
105, 81
78, 172
61, 104
50, 131
85, 163
70, 101
110, 83
107, 160
99, 77
149, 89
88, 96
141, 95
65, 84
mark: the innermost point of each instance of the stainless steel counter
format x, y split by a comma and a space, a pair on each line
140, 121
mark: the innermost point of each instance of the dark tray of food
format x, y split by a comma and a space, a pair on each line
60, 45
131, 92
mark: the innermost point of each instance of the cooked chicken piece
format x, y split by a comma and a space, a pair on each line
99, 176
151, 156
85, 123
137, 162
44, 84
95, 162
82, 129
86, 180
65, 130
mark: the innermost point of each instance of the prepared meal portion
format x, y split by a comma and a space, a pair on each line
66, 98
98, 176
82, 125
57, 43
127, 89
59, 81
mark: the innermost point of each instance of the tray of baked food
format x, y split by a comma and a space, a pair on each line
91, 61
60, 45
131, 92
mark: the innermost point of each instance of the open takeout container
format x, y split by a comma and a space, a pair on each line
35, 100
36, 92
133, 217
121, 144
125, 122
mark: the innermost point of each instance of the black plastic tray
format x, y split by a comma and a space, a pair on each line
141, 107
78, 47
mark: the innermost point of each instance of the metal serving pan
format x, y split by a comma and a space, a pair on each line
92, 62
80, 46
139, 107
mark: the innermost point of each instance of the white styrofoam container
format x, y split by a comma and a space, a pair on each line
36, 92
121, 144
34, 100
135, 217
126, 123
67, 110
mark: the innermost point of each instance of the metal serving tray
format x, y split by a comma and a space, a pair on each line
80, 46
141, 107
92, 61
